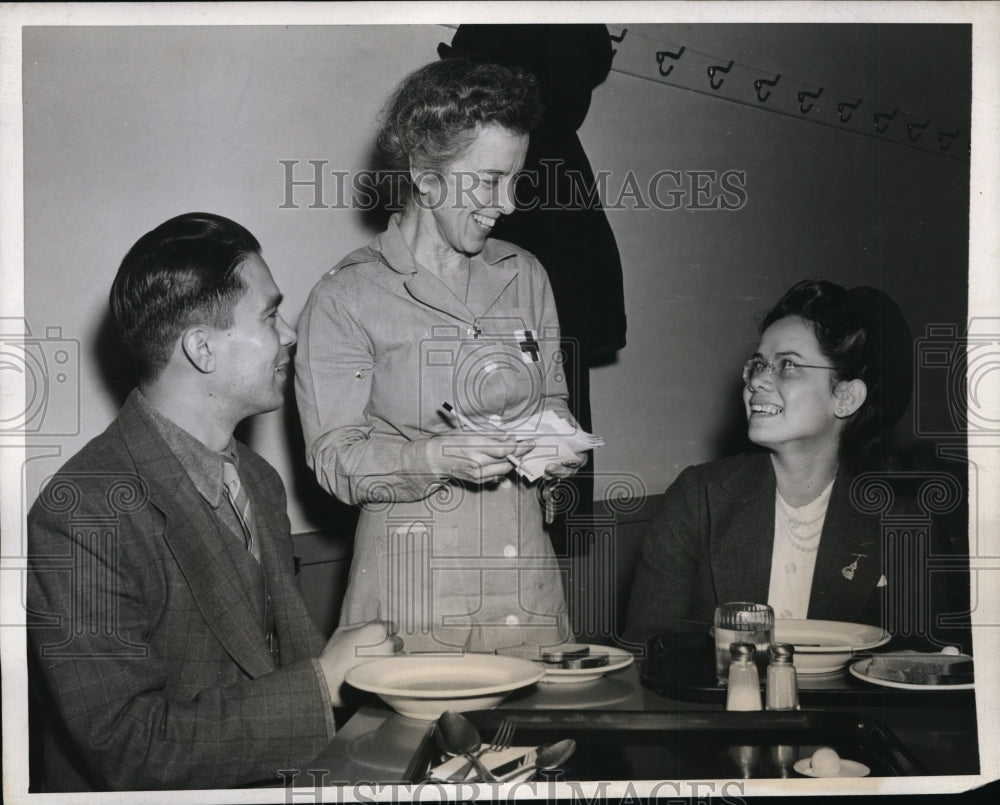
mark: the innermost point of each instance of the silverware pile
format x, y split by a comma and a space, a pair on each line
457, 737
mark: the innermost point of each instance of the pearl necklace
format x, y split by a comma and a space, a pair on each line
803, 534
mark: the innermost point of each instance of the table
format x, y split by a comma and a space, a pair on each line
378, 745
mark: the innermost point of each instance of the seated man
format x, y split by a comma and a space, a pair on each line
169, 644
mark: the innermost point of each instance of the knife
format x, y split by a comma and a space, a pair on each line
516, 763
504, 768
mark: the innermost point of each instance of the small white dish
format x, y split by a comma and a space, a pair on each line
423, 686
617, 659
826, 647
860, 670
848, 768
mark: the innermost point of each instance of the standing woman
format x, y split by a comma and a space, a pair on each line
450, 545
828, 382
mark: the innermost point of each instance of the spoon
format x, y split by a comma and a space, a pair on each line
456, 735
549, 756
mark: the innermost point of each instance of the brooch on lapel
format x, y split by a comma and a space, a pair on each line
848, 572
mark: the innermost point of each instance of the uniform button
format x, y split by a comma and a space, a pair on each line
506, 483
790, 568
787, 613
511, 620
509, 551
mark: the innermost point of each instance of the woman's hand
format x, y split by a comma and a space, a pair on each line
473, 457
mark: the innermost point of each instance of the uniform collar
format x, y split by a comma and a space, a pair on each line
392, 247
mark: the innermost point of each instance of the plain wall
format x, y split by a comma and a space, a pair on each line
126, 127
820, 202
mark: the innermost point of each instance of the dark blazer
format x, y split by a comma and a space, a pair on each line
711, 540
151, 666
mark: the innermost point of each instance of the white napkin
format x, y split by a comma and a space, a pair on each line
556, 439
491, 760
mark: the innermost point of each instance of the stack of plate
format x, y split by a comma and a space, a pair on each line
424, 686
825, 647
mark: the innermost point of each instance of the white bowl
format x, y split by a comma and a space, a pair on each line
425, 685
825, 647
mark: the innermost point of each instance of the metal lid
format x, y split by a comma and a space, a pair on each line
741, 651
782, 652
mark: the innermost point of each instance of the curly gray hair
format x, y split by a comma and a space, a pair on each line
433, 116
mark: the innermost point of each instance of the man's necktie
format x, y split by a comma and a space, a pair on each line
241, 505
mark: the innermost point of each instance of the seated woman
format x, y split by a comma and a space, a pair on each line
779, 526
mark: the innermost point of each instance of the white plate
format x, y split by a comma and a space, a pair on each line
825, 647
424, 686
617, 659
860, 670
848, 768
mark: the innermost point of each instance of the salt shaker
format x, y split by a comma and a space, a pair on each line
743, 690
782, 680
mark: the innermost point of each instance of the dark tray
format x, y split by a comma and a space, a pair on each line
628, 745
682, 666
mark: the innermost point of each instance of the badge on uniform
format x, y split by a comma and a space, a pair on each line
529, 346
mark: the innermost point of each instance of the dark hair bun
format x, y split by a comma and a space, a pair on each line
890, 347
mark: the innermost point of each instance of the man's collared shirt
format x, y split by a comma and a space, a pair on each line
202, 464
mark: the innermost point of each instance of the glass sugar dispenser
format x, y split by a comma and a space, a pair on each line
782, 679
743, 689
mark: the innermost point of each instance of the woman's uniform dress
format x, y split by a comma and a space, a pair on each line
383, 344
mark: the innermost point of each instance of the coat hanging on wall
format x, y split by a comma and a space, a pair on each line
573, 240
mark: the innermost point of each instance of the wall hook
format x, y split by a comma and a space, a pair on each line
918, 128
761, 82
718, 68
666, 54
619, 38
946, 135
803, 95
845, 105
879, 116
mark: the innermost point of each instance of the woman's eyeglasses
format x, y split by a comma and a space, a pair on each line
785, 369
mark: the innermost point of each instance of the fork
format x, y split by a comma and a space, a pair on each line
503, 738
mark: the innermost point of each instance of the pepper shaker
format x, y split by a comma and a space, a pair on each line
782, 679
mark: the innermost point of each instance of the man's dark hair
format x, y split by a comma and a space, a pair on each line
184, 272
